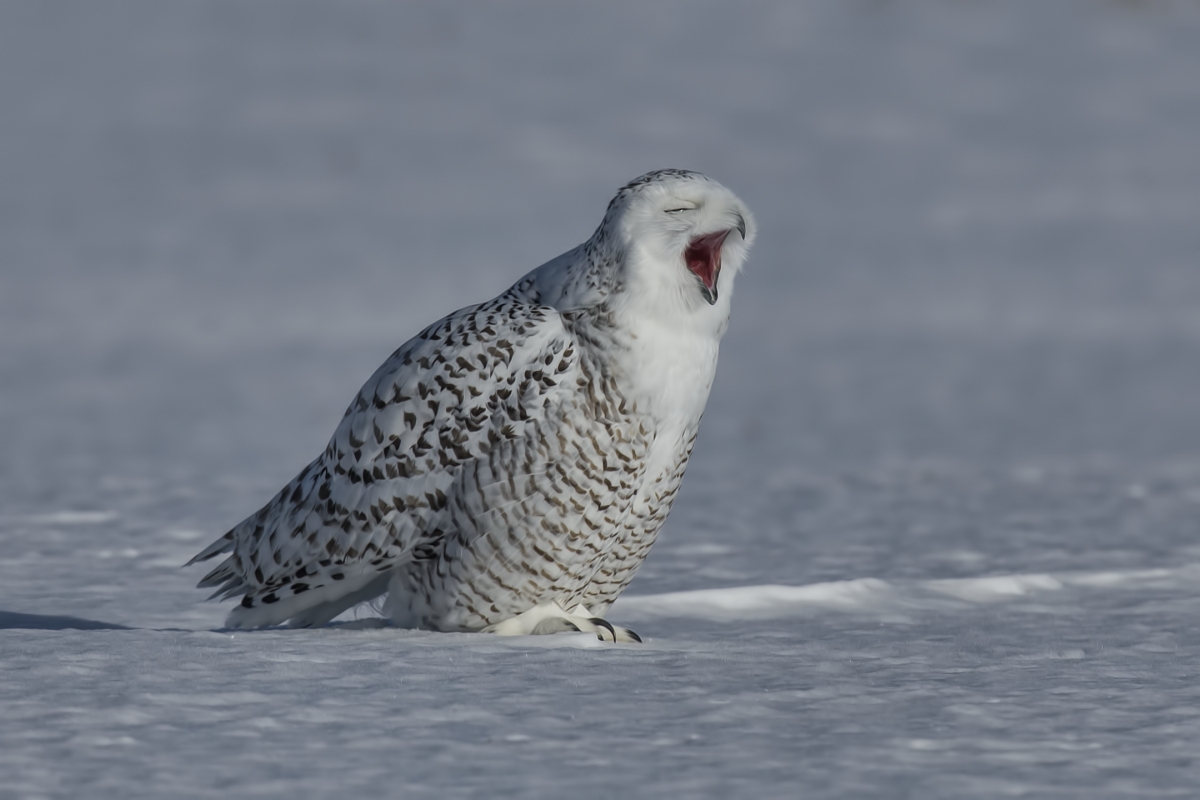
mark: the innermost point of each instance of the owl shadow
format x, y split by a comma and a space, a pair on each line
15, 620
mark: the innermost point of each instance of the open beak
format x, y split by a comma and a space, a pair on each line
703, 257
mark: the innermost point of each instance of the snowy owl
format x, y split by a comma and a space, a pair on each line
508, 469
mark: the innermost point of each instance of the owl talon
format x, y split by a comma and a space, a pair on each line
548, 618
616, 633
603, 623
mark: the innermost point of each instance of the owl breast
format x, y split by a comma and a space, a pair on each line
536, 519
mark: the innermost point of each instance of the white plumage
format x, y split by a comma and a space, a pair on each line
509, 468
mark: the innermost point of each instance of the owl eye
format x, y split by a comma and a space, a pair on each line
679, 210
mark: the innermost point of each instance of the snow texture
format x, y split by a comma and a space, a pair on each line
940, 537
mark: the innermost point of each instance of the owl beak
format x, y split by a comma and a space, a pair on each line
741, 226
703, 258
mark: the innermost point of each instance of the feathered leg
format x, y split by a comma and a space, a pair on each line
550, 617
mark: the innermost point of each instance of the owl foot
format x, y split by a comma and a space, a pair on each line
546, 618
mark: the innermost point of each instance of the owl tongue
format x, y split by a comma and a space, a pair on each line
703, 257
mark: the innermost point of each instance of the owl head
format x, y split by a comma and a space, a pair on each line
682, 237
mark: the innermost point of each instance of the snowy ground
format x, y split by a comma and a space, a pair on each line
941, 535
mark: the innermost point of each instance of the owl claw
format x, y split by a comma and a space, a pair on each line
603, 623
614, 633
547, 618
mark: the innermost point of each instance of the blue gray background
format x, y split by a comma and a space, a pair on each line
952, 455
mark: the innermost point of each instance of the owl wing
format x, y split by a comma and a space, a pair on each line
371, 501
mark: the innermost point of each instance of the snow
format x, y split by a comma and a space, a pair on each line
878, 597
941, 533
